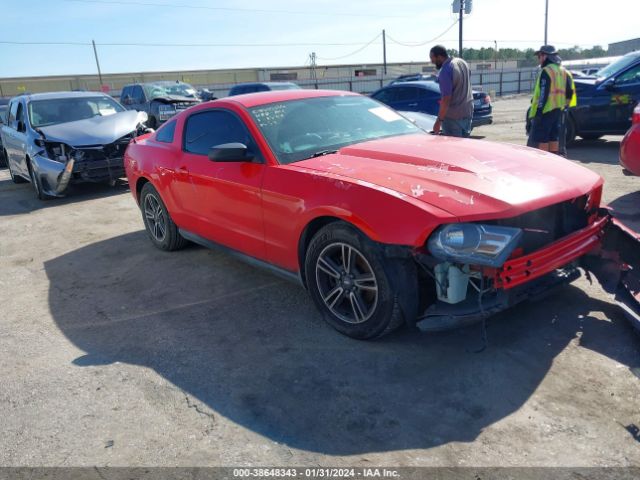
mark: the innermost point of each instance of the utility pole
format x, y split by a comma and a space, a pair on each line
460, 32
546, 19
312, 61
95, 53
495, 55
384, 51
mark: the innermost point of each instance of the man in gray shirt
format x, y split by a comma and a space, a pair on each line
456, 106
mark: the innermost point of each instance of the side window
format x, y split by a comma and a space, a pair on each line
20, 113
165, 134
630, 76
424, 93
405, 94
384, 96
13, 109
126, 92
215, 127
137, 94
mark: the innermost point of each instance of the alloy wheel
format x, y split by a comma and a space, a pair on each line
155, 217
347, 284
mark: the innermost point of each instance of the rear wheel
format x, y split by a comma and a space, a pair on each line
161, 230
346, 274
3, 159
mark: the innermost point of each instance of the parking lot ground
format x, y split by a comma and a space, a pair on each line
116, 354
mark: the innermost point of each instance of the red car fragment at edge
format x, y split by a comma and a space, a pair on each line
383, 223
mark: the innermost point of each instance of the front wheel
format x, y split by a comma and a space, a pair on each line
161, 230
36, 184
346, 276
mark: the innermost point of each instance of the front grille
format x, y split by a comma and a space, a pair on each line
546, 225
102, 162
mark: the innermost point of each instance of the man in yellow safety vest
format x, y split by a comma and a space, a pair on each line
554, 91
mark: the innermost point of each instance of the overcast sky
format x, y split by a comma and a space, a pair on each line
283, 33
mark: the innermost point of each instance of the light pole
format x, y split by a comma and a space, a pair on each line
546, 19
495, 55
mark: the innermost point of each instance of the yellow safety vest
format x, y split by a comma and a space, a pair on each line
559, 79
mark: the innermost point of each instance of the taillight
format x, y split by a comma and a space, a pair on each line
635, 118
487, 99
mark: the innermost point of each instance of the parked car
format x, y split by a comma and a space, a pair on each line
606, 101
243, 88
52, 139
160, 100
383, 223
3, 118
414, 77
630, 146
424, 96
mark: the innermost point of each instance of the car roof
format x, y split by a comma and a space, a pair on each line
262, 83
59, 95
426, 84
249, 100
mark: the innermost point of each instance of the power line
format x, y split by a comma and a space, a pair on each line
131, 44
354, 52
233, 9
422, 44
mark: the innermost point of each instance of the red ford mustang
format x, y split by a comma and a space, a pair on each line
630, 146
383, 223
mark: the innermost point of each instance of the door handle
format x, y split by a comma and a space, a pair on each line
412, 105
182, 171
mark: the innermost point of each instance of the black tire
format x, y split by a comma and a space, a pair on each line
36, 184
590, 136
14, 178
380, 311
161, 230
570, 132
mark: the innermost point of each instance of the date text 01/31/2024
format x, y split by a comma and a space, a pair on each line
315, 473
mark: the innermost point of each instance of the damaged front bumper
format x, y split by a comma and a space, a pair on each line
608, 248
82, 165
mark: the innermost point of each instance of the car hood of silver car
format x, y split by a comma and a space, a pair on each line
98, 130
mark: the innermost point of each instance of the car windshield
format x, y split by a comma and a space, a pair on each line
61, 110
300, 129
619, 64
155, 90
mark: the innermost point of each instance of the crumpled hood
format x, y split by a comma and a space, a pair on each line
175, 99
471, 179
98, 130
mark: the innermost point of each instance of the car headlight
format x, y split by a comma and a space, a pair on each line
471, 243
54, 150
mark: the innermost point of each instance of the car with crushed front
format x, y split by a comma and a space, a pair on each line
160, 100
381, 222
54, 139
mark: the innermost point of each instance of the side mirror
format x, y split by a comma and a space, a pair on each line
230, 152
608, 84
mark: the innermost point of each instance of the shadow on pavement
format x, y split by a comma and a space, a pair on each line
254, 349
595, 151
20, 198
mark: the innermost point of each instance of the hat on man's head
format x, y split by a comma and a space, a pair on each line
547, 50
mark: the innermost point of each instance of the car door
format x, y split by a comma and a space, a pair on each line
222, 201
137, 98
406, 98
126, 98
625, 94
428, 101
16, 138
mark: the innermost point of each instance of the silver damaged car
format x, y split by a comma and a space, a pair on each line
54, 139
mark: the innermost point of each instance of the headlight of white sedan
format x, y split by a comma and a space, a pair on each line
474, 244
